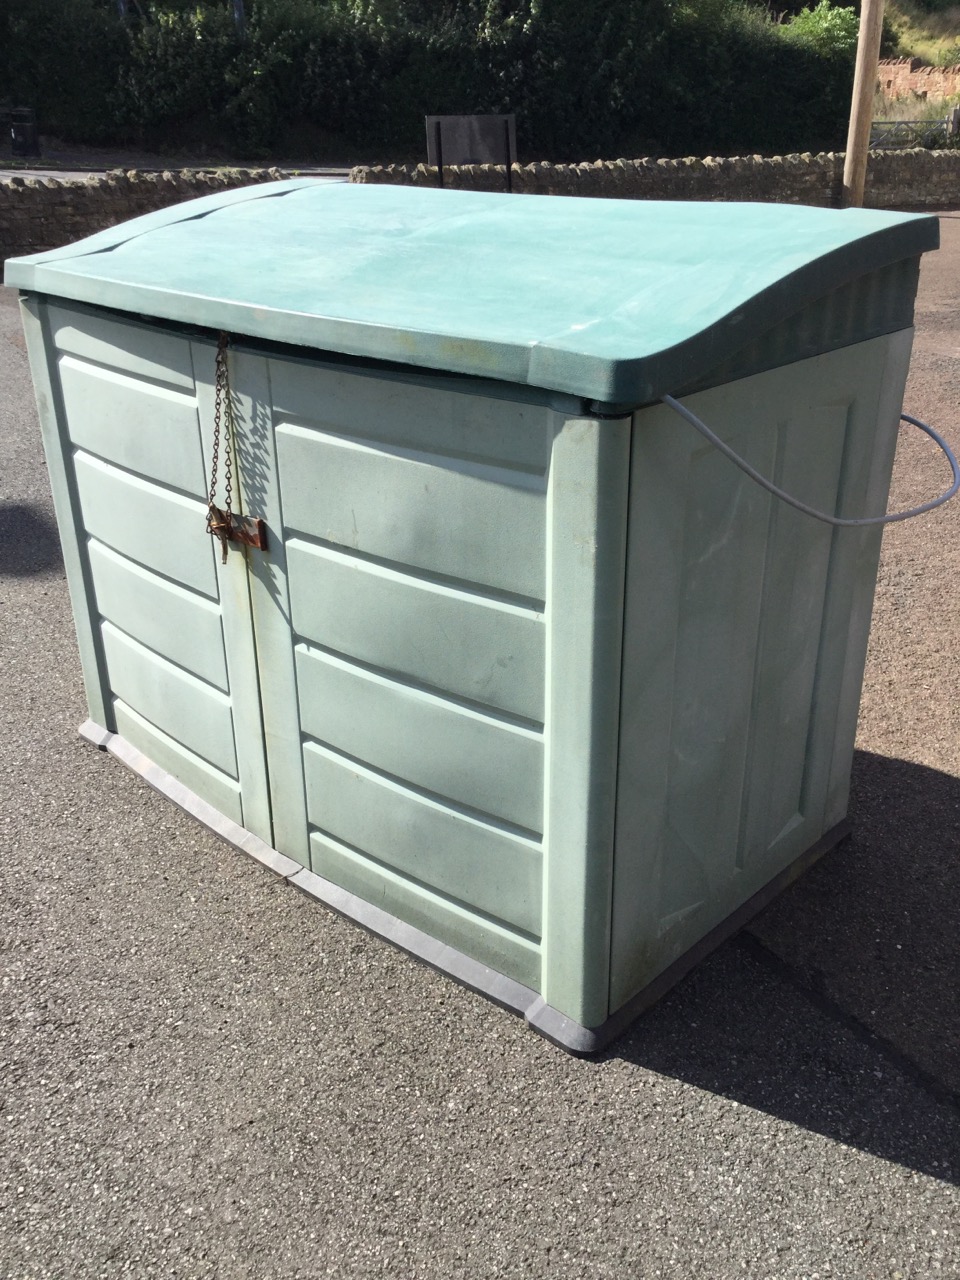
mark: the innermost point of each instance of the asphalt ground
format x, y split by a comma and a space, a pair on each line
204, 1073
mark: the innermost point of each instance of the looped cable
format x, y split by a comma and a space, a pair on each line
770, 487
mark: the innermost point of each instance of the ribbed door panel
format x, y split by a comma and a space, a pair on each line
447, 638
177, 623
417, 579
132, 415
467, 523
144, 427
474, 759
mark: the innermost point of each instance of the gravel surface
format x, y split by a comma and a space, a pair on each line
203, 1073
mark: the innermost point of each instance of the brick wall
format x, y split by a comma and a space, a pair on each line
895, 179
44, 213
901, 77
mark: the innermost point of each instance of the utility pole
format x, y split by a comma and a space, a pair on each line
861, 107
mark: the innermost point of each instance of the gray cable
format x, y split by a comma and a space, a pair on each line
764, 483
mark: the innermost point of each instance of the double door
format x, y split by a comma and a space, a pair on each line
368, 693
561, 692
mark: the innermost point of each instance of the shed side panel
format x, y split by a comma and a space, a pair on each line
742, 616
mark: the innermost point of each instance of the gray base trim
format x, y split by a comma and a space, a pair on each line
189, 801
96, 736
503, 991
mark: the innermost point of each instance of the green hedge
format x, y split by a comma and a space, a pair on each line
62, 58
354, 78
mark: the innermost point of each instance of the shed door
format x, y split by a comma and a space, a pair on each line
171, 626
401, 642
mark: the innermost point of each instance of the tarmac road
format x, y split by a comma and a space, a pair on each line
205, 1074
75, 164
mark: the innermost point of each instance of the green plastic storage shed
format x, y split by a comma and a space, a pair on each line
528, 678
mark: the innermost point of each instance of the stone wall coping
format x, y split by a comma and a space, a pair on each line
40, 213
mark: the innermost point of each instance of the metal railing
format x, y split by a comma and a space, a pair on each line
892, 135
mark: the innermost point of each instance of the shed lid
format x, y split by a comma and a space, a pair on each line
617, 301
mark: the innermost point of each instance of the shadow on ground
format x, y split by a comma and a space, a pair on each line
29, 539
838, 1008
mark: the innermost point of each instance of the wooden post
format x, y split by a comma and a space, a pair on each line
861, 107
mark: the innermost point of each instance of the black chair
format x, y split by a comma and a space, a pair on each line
24, 136
472, 140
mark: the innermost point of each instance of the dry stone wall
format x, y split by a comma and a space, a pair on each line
799, 179
915, 179
43, 213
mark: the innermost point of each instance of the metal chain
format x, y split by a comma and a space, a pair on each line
219, 520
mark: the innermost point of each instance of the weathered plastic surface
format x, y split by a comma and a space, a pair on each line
614, 301
547, 680
746, 625
416, 693
150, 597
